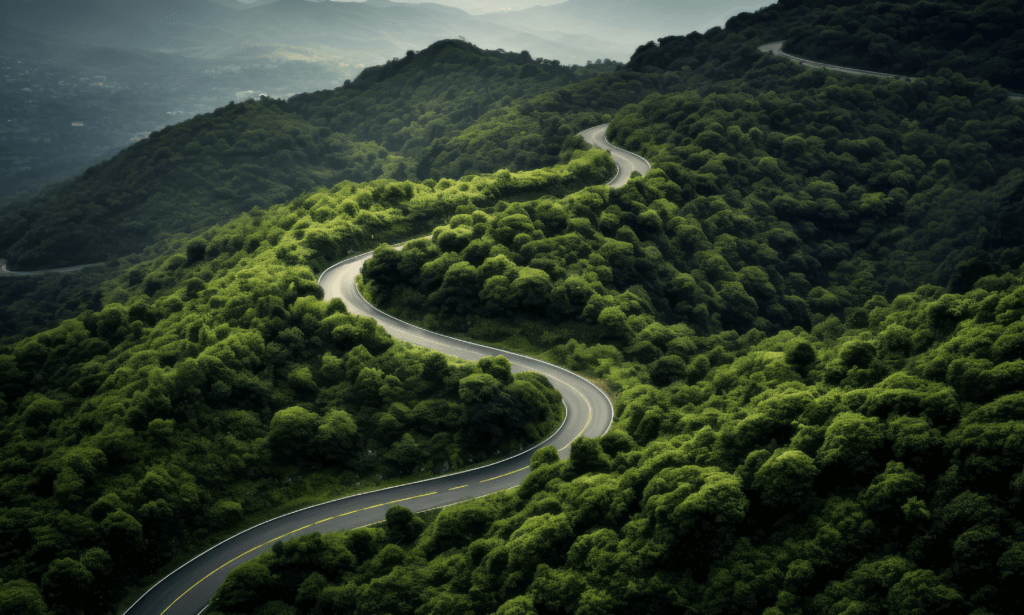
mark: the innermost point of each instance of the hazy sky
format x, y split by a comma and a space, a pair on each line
489, 6
473, 6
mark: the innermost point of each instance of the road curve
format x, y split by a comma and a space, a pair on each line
775, 48
5, 272
589, 412
625, 162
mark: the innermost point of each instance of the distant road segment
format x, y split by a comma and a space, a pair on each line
776, 49
4, 271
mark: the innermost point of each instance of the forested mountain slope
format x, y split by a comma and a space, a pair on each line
810, 312
764, 210
906, 37
207, 169
239, 157
983, 39
87, 219
183, 178
868, 460
221, 386
872, 465
812, 316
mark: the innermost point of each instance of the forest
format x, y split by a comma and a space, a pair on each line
904, 37
815, 411
810, 314
187, 177
219, 387
983, 39
766, 211
868, 465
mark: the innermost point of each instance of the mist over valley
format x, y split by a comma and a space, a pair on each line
84, 79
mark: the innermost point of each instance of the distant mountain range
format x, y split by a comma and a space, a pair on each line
172, 59
164, 61
352, 32
363, 32
625, 25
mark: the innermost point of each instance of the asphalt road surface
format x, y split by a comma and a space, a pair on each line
189, 589
625, 162
4, 271
776, 49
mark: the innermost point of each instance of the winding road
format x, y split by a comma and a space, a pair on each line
189, 589
625, 162
776, 49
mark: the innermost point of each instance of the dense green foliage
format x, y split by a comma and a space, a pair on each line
871, 176
766, 211
218, 384
907, 37
425, 106
817, 352
443, 97
871, 466
810, 312
980, 39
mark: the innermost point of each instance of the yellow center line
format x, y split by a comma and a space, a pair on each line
590, 410
375, 506
459, 487
282, 536
504, 475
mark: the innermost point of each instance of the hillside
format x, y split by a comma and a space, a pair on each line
983, 39
980, 40
340, 154
816, 345
810, 315
120, 70
205, 170
181, 179
219, 388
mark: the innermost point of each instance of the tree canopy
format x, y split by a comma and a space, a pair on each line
809, 314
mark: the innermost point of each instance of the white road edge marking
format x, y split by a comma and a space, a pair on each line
374, 308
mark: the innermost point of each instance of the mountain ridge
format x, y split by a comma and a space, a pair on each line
192, 26
215, 157
627, 29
